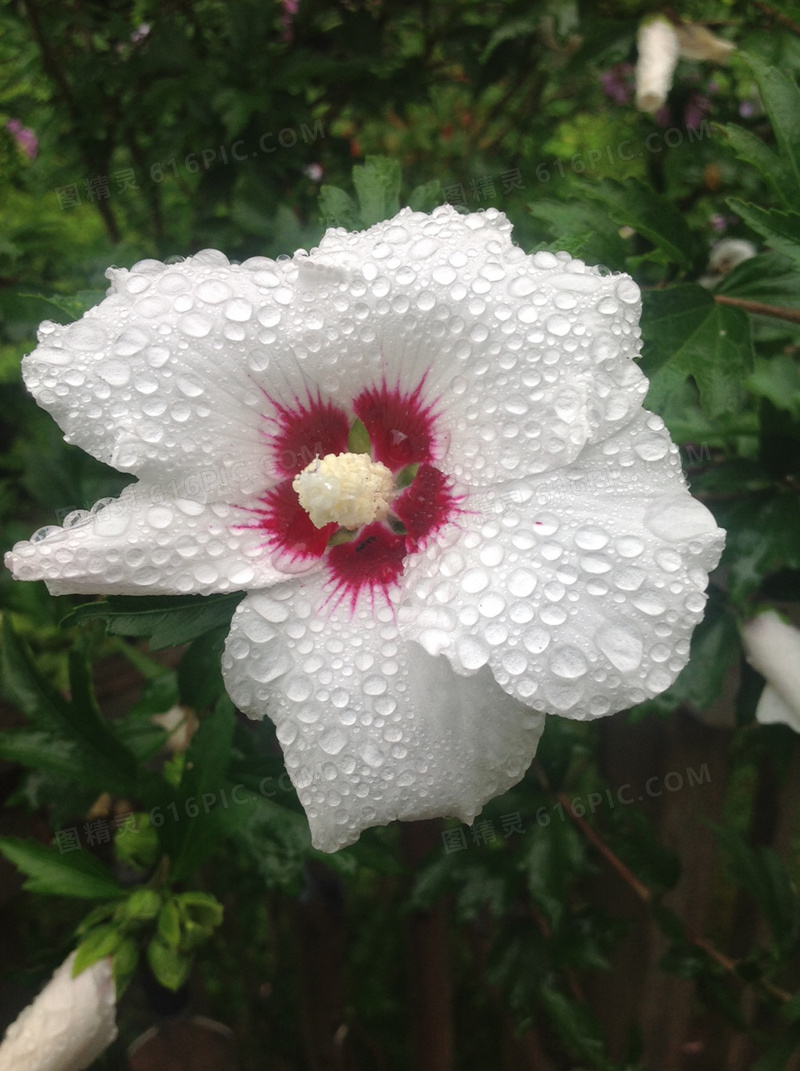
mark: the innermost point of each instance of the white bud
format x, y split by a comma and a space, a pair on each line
68, 1025
773, 648
658, 47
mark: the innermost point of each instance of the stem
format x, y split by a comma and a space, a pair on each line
645, 895
759, 309
627, 875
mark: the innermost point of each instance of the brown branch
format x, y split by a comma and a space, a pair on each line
778, 312
627, 875
646, 896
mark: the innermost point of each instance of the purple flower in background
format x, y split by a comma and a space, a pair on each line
25, 138
719, 223
747, 109
696, 108
616, 83
287, 18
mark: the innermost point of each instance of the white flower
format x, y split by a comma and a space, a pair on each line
658, 51
68, 1025
773, 648
728, 253
541, 550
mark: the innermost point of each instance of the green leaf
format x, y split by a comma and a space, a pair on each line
358, 440
686, 333
170, 967
633, 204
200, 670
26, 688
768, 277
126, 960
100, 943
45, 751
169, 924
781, 99
762, 872
754, 151
583, 230
141, 905
780, 230
778, 379
337, 208
554, 855
426, 197
761, 542
74, 732
201, 907
377, 185
166, 620
53, 873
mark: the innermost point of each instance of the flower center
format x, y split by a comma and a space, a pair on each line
350, 490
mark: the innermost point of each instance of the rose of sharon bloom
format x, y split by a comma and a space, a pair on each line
68, 1025
423, 453
772, 647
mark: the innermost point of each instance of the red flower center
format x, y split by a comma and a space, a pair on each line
401, 434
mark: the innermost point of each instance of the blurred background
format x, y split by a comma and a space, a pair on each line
632, 903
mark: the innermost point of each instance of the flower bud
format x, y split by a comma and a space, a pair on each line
772, 646
68, 1025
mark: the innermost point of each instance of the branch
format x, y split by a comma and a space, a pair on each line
778, 312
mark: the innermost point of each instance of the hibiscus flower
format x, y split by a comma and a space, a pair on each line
424, 456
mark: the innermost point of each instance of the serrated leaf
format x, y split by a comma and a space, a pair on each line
686, 333
781, 98
768, 278
52, 873
337, 208
100, 942
426, 197
170, 967
753, 150
377, 185
554, 855
583, 230
780, 230
166, 620
633, 204
761, 542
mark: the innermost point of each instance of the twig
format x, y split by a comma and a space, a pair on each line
627, 875
778, 312
646, 896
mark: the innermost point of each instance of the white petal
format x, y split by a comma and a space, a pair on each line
772, 710
524, 358
373, 729
69, 1024
773, 648
144, 543
163, 377
580, 591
